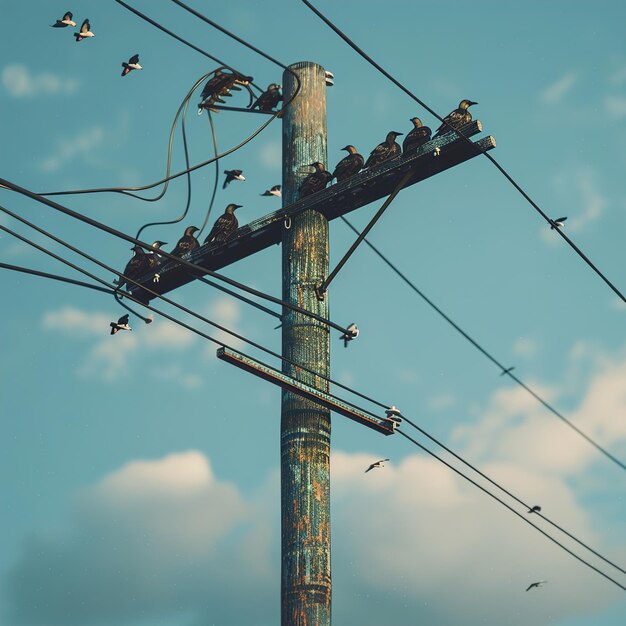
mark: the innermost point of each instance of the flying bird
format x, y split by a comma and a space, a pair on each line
535, 509
133, 64
557, 223
316, 181
507, 371
384, 151
85, 31
137, 266
348, 166
225, 225
416, 137
457, 118
378, 464
274, 191
538, 584
269, 99
352, 332
64, 22
232, 175
154, 259
187, 242
121, 324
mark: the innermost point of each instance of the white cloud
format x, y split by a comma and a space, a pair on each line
619, 77
517, 428
615, 106
82, 144
20, 83
109, 359
74, 321
555, 92
226, 312
442, 401
579, 190
271, 155
525, 347
167, 538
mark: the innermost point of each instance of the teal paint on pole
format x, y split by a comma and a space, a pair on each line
305, 425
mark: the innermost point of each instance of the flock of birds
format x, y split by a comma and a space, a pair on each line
144, 262
85, 32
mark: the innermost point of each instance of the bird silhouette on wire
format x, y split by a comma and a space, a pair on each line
384, 151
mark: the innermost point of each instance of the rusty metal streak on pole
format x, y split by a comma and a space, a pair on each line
305, 425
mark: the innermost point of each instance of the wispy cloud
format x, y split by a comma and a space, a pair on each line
110, 357
581, 195
21, 83
555, 92
226, 312
271, 155
525, 347
405, 539
442, 402
615, 106
67, 149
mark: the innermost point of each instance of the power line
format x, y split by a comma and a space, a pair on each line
511, 495
217, 174
200, 333
192, 266
487, 354
63, 279
167, 300
522, 517
460, 134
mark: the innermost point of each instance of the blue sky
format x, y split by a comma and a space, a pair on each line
140, 474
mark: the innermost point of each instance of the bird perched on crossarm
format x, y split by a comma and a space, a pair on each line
274, 191
457, 118
348, 166
384, 151
232, 175
416, 137
133, 64
121, 324
316, 181
137, 266
65, 21
155, 259
85, 31
187, 242
225, 225
269, 99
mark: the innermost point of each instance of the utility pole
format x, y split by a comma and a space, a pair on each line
305, 425
302, 227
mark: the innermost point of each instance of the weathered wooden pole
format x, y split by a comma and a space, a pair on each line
305, 425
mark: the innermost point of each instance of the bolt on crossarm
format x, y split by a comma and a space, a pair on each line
305, 425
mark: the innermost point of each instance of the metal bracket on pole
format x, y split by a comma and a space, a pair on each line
384, 425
